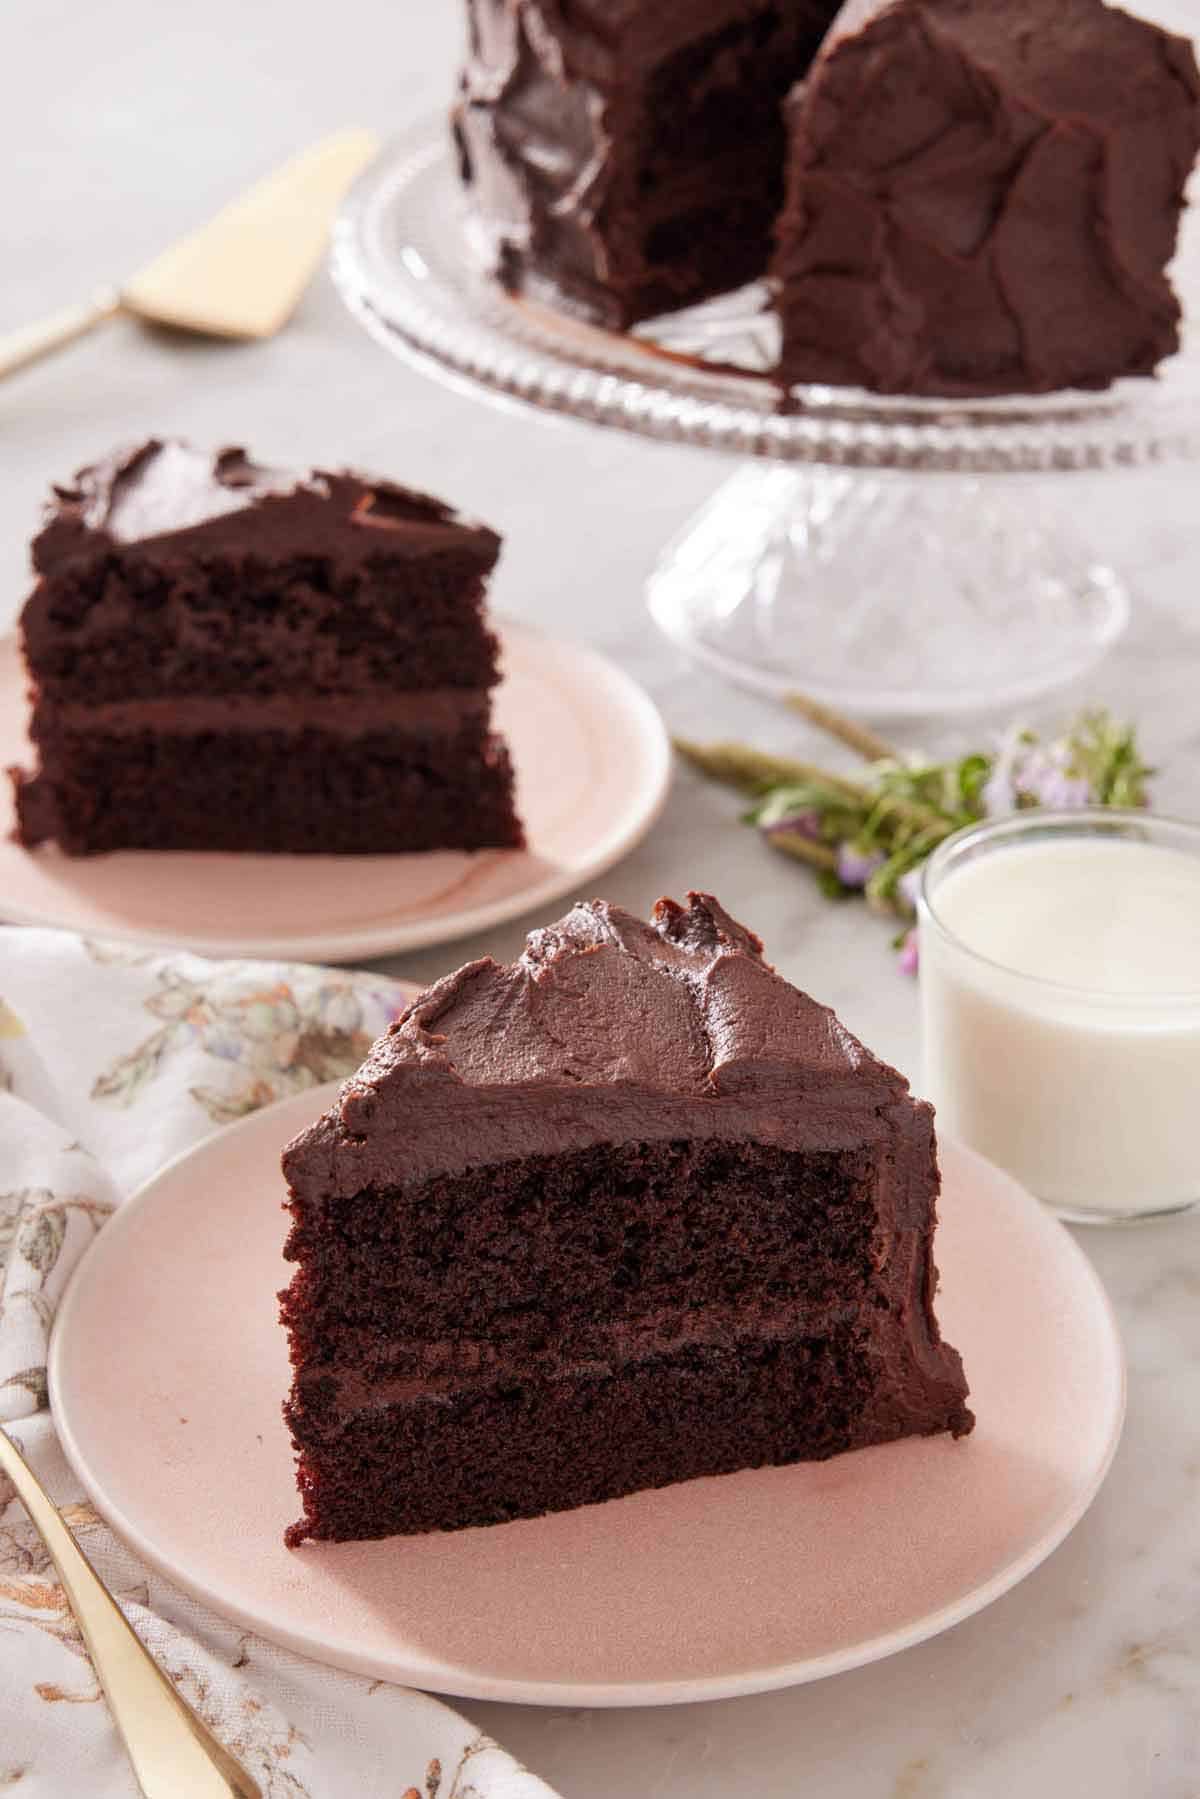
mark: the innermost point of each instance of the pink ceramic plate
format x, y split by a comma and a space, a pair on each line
168, 1368
593, 765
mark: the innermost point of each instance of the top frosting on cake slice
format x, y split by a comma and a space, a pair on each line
607, 1029
684, 1005
169, 497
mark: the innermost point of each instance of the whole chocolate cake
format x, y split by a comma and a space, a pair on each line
967, 197
230, 657
629, 1211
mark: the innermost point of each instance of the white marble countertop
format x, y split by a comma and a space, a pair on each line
127, 125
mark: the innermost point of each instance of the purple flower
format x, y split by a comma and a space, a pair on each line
1029, 773
1045, 776
856, 866
908, 952
804, 824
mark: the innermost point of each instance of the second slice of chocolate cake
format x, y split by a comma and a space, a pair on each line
229, 657
629, 1211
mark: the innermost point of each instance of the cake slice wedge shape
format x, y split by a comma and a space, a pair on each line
226, 656
629, 1211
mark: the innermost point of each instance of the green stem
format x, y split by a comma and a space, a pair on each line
856, 737
802, 848
754, 772
910, 812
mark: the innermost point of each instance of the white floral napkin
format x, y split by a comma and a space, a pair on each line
112, 1060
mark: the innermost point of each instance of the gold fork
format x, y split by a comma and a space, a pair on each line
174, 1754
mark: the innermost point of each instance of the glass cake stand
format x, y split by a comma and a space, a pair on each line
887, 556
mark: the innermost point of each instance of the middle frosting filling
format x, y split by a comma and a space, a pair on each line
435, 710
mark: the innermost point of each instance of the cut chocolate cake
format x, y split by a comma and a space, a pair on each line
229, 657
982, 196
627, 156
630, 1211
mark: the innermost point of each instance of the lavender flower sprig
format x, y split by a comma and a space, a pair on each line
871, 835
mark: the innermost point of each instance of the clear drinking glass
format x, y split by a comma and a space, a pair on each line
1060, 989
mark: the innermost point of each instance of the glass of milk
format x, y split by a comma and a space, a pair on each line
1060, 991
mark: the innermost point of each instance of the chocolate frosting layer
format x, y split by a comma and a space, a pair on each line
415, 1369
983, 198
606, 1029
164, 493
434, 711
611, 1030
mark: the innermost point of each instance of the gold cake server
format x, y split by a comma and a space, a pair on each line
239, 276
174, 1754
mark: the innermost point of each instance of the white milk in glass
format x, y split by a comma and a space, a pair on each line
1066, 1047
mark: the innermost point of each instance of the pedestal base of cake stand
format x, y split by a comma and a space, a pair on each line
888, 594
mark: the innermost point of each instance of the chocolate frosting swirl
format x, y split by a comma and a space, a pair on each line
607, 1029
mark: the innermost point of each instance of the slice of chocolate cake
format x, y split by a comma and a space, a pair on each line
229, 657
626, 157
983, 197
627, 1212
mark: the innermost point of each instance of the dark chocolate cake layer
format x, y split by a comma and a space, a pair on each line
224, 656
512, 1449
304, 792
625, 157
563, 1201
636, 1235
983, 197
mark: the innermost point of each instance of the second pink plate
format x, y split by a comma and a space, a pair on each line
593, 765
168, 1369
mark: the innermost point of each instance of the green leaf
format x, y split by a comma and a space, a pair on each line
1106, 755
974, 773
